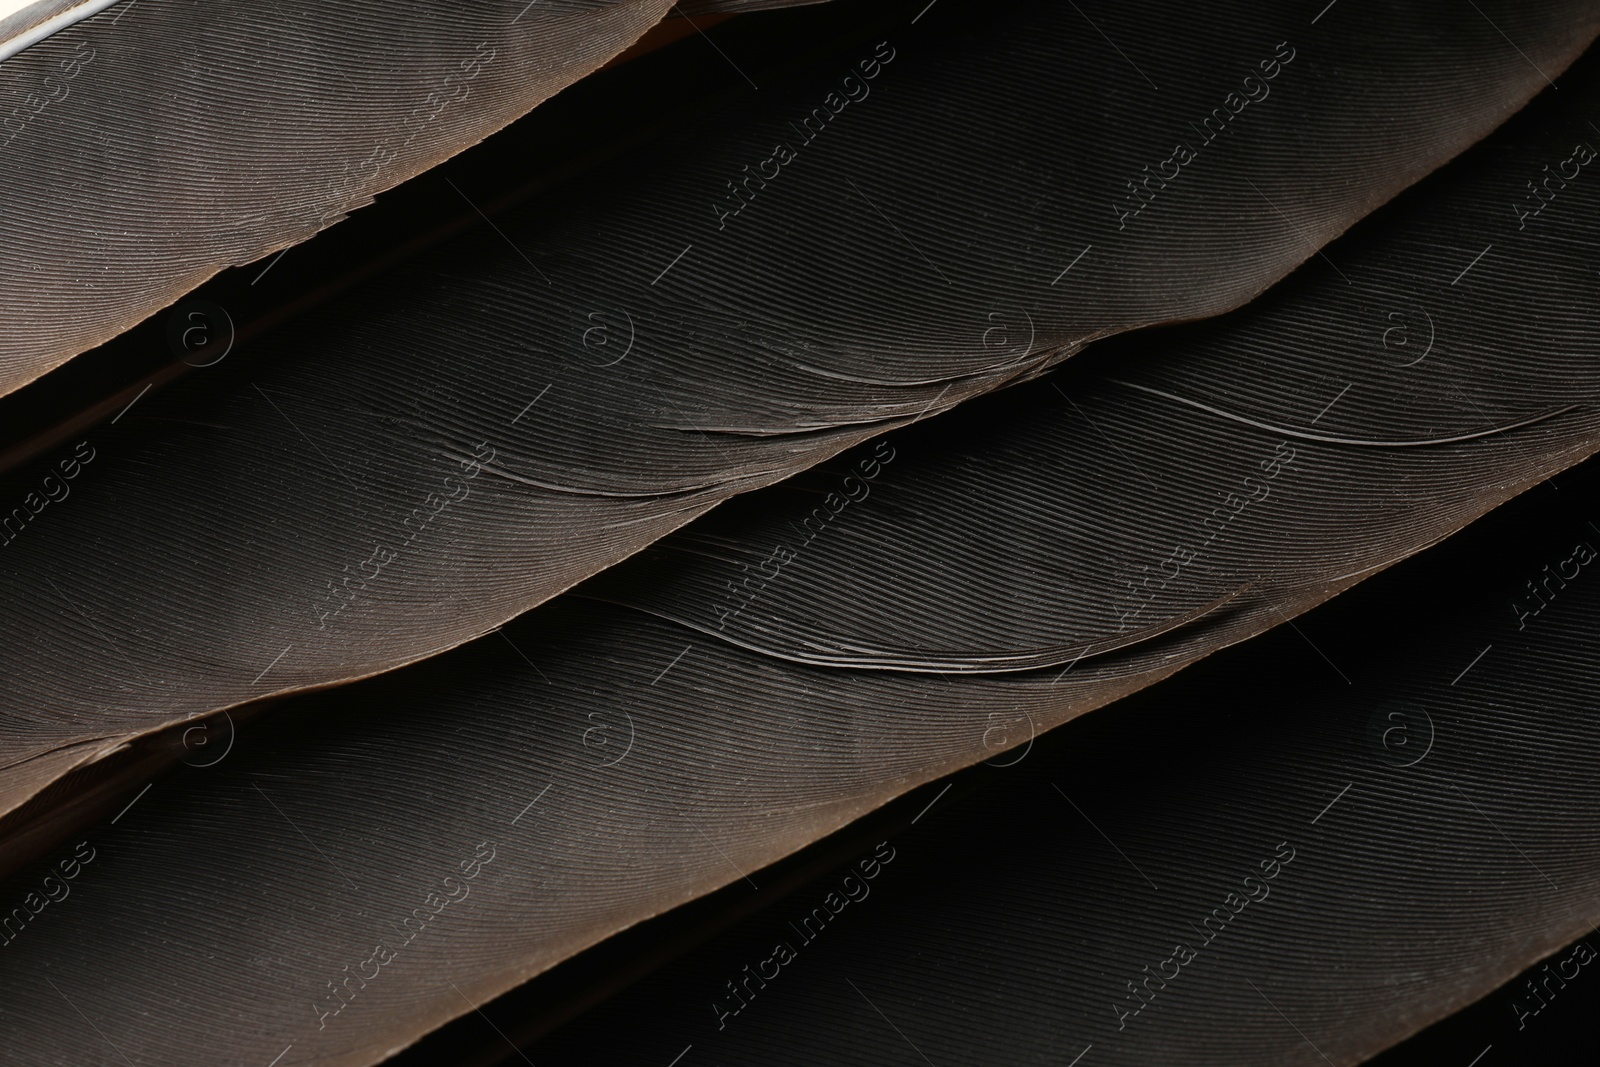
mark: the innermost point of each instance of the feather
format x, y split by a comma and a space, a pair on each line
459, 440
616, 763
150, 145
1246, 865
